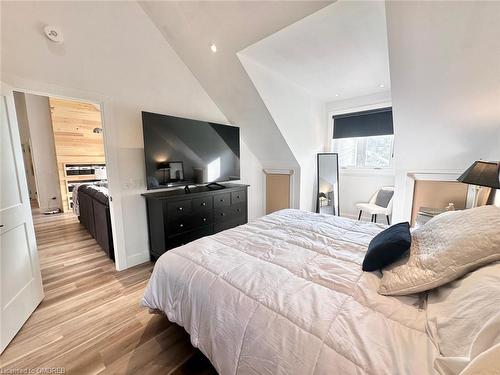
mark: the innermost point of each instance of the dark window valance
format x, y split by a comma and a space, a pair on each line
363, 124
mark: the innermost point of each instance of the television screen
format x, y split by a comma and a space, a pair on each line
181, 151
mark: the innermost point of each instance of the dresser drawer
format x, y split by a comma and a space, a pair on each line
202, 218
238, 197
205, 203
222, 214
179, 225
184, 238
219, 227
178, 208
222, 200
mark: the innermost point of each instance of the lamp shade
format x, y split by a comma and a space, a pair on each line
482, 173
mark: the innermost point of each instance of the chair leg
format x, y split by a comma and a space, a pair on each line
372, 218
375, 218
388, 221
359, 216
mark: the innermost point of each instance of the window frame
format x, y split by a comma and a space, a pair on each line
361, 151
361, 170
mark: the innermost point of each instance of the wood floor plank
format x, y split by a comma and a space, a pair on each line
90, 321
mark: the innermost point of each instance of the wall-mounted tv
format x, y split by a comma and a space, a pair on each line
181, 151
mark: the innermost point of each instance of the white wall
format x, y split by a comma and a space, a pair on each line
298, 115
252, 173
112, 52
35, 114
496, 153
359, 186
445, 69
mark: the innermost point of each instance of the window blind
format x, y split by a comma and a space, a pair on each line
363, 124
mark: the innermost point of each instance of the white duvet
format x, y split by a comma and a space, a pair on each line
286, 295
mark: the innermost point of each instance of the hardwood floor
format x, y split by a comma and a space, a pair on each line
90, 321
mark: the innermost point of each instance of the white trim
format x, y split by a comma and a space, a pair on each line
367, 172
136, 259
279, 171
446, 175
106, 105
360, 108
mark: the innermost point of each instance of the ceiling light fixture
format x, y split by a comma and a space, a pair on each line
337, 95
381, 85
213, 47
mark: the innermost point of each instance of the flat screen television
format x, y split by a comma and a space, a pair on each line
181, 151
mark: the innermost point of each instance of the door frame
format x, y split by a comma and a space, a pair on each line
110, 150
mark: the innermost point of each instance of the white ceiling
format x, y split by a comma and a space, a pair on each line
337, 53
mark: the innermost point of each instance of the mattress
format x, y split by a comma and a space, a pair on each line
285, 294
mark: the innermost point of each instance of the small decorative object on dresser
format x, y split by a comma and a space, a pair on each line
176, 217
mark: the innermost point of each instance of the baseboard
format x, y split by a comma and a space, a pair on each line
136, 259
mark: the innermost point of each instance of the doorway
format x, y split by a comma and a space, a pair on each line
65, 163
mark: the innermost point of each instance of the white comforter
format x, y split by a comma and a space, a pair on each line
286, 295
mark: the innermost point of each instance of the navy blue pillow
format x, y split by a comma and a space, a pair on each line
387, 247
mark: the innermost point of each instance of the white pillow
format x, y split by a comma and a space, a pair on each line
456, 312
445, 248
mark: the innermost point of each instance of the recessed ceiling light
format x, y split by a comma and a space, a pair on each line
213, 47
381, 85
337, 95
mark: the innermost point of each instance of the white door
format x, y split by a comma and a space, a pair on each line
20, 281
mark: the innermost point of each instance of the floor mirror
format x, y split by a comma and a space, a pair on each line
327, 197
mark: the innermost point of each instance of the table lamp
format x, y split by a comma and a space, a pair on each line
482, 173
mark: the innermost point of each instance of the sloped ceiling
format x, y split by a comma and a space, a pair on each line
191, 27
337, 53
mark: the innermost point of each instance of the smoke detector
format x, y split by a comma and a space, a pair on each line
54, 33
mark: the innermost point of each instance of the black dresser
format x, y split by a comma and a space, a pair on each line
176, 217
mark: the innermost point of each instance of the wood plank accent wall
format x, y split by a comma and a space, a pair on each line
76, 143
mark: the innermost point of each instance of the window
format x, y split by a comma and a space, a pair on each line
364, 139
365, 152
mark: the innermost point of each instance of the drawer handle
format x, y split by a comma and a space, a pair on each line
238, 210
181, 225
237, 197
180, 208
222, 200
222, 214
203, 203
204, 219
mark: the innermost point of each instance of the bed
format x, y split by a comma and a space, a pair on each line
285, 294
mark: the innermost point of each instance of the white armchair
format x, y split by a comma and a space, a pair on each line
378, 205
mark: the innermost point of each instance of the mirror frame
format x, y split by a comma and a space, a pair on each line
336, 204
